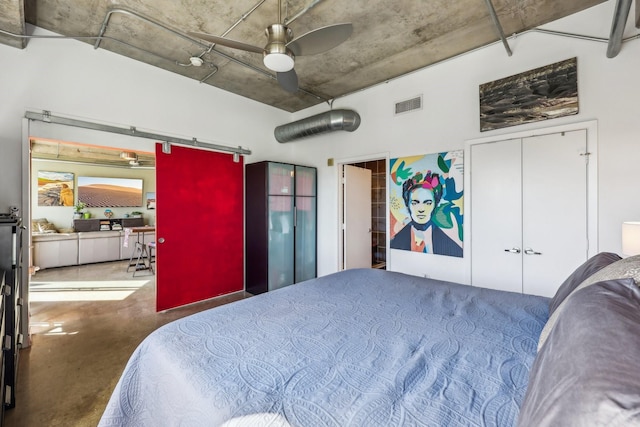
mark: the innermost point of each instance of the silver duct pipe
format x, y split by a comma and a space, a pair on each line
329, 121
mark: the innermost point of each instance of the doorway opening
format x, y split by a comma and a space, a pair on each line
378, 207
57, 169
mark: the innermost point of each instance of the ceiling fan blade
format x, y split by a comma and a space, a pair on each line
320, 39
226, 42
288, 81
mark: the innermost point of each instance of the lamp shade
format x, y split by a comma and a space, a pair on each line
631, 237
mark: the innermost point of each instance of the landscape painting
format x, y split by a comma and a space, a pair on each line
100, 192
541, 94
55, 188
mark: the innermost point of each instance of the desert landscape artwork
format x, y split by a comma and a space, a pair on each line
541, 94
55, 188
98, 192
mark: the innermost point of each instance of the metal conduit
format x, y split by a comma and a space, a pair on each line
496, 23
169, 29
568, 35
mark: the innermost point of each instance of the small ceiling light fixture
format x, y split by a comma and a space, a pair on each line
128, 155
196, 61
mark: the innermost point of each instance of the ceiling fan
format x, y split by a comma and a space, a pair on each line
281, 49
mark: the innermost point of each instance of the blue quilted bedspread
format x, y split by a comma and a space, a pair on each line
359, 348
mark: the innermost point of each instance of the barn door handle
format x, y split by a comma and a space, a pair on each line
161, 240
513, 250
530, 251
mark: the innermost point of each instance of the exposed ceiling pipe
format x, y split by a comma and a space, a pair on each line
330, 121
620, 15
496, 23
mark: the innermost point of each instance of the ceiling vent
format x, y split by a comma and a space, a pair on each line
330, 121
409, 105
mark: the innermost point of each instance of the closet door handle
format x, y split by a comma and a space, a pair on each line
513, 250
530, 251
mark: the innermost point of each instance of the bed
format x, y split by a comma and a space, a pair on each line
356, 348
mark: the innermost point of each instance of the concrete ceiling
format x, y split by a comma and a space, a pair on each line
390, 38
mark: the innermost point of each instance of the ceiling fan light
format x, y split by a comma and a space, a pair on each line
278, 62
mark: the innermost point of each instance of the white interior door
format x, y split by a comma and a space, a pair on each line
529, 212
357, 217
554, 189
496, 216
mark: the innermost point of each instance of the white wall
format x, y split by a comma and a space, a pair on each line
69, 77
608, 92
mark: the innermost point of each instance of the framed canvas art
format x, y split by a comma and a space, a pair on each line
425, 197
55, 188
541, 94
101, 192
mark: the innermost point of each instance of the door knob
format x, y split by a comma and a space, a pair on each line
161, 240
530, 251
513, 250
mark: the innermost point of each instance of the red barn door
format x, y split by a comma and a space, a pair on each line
199, 226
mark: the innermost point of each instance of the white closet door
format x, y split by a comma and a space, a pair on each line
554, 189
496, 215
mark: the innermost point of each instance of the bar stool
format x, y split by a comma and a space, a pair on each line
152, 255
140, 257
140, 263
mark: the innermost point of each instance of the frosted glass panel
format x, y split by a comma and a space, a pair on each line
305, 181
281, 234
280, 179
305, 238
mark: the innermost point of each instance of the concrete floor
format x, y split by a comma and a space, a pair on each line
79, 348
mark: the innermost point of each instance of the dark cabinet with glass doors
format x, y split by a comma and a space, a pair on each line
281, 224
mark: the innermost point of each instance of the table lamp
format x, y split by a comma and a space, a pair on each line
631, 238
